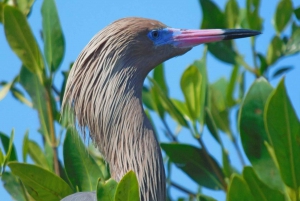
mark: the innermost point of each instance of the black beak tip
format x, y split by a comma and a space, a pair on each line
239, 33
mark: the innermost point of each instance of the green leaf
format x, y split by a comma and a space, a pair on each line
5, 89
223, 51
263, 63
1, 12
25, 147
37, 155
20, 96
159, 77
230, 101
8, 146
182, 107
253, 133
25, 5
54, 47
190, 83
22, 41
212, 15
227, 169
39, 97
252, 13
193, 161
128, 188
12, 186
297, 13
259, 190
283, 14
275, 50
169, 106
293, 44
239, 190
106, 190
211, 125
283, 129
81, 168
231, 13
40, 183
281, 70
147, 98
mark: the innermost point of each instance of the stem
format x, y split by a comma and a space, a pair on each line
56, 91
169, 132
213, 165
241, 61
254, 52
52, 134
183, 189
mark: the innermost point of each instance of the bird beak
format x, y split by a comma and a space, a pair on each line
185, 38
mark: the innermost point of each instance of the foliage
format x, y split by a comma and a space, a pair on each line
268, 125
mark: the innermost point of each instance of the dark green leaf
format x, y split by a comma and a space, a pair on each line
283, 14
128, 188
204, 198
147, 98
275, 50
106, 190
253, 18
263, 63
1, 12
230, 101
253, 133
231, 13
53, 37
40, 183
239, 190
212, 15
193, 161
227, 169
223, 51
297, 13
281, 71
12, 186
5, 140
22, 41
259, 190
283, 129
191, 84
81, 168
25, 5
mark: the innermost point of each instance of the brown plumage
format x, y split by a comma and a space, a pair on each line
104, 91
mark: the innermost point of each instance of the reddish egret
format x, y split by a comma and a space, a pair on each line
104, 91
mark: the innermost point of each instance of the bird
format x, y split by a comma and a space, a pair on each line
104, 92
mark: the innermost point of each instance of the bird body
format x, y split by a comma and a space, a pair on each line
104, 91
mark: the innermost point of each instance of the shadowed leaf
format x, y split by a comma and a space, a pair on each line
12, 186
252, 13
194, 163
281, 71
253, 133
283, 129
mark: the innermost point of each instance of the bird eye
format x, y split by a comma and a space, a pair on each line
154, 34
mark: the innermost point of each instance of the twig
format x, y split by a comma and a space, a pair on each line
183, 189
213, 165
169, 132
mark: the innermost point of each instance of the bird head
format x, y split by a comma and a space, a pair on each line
147, 43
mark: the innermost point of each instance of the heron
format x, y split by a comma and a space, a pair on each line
104, 92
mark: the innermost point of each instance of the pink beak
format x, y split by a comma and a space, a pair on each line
187, 38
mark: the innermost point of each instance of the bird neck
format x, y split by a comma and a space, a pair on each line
126, 137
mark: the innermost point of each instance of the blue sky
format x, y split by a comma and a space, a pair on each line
81, 20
